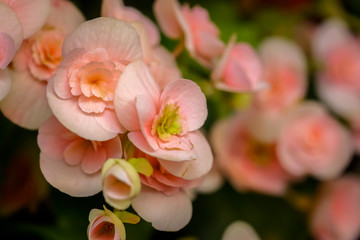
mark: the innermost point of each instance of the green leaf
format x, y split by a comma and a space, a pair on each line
141, 165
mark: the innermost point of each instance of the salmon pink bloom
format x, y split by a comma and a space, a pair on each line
312, 142
200, 35
117, 9
239, 69
105, 225
161, 123
73, 164
338, 54
336, 215
248, 163
34, 64
284, 69
82, 90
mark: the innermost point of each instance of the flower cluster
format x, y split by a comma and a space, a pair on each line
115, 115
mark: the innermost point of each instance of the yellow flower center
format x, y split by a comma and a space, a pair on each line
167, 123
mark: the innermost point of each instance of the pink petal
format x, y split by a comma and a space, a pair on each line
277, 51
53, 138
75, 151
31, 13
119, 39
146, 112
344, 102
138, 139
108, 120
12, 26
191, 101
7, 49
91, 104
73, 118
196, 168
167, 13
64, 15
68, 179
166, 213
5, 83
240, 230
26, 104
93, 160
330, 34
134, 81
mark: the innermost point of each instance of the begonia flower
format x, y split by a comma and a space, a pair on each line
239, 69
193, 26
239, 230
35, 63
312, 142
284, 70
105, 225
338, 53
71, 163
5, 83
162, 124
336, 215
121, 183
117, 9
81, 92
248, 163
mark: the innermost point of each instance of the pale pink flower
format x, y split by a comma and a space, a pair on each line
34, 64
5, 83
239, 69
284, 69
355, 130
82, 90
338, 54
73, 164
246, 162
336, 215
117, 9
312, 142
200, 35
239, 230
162, 124
105, 225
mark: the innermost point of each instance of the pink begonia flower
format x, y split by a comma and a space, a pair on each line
355, 130
37, 60
284, 69
338, 53
82, 90
200, 35
105, 225
240, 230
239, 69
336, 215
162, 124
247, 163
117, 9
168, 184
73, 164
160, 61
312, 142
121, 183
